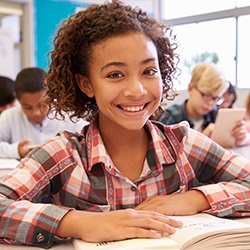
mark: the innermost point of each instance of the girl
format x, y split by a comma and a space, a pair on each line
123, 174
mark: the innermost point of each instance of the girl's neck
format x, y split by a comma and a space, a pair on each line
127, 149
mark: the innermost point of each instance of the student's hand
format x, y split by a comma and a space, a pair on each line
115, 225
23, 149
208, 130
187, 203
240, 133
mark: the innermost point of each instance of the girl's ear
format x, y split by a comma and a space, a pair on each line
84, 85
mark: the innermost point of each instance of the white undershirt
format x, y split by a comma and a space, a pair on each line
198, 124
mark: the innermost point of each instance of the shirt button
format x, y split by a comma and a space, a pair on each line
133, 189
40, 237
222, 205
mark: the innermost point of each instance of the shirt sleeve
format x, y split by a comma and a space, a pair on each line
22, 220
7, 148
223, 177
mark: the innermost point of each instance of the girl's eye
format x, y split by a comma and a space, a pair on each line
150, 72
115, 75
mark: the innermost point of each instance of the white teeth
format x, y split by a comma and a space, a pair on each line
133, 109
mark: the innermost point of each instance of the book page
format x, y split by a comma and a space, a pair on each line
163, 243
200, 231
204, 230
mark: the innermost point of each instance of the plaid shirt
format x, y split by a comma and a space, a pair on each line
177, 113
75, 171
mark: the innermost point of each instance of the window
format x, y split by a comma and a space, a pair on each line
211, 27
181, 8
243, 78
206, 39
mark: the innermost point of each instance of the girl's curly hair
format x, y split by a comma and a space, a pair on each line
73, 46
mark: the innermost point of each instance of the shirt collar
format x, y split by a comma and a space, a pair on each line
159, 147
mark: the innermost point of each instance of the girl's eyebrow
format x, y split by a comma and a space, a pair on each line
112, 64
148, 60
124, 64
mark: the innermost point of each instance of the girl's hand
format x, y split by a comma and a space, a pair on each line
115, 225
190, 202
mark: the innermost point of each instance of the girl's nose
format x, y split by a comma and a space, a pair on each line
135, 87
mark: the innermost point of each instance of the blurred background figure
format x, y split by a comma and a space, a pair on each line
7, 96
229, 97
24, 126
241, 132
206, 89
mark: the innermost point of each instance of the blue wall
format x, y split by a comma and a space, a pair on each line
47, 17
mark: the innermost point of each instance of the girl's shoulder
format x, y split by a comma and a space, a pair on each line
179, 130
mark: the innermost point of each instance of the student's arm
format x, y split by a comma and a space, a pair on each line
223, 177
39, 223
7, 148
211, 180
187, 203
12, 138
115, 225
28, 223
49, 172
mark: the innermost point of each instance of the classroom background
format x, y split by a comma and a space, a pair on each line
207, 30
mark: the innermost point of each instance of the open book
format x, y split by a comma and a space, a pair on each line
200, 231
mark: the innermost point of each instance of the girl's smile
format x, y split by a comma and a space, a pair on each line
125, 80
132, 108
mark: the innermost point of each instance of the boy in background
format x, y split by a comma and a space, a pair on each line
205, 90
27, 125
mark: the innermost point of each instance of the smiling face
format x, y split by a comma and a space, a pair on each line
125, 80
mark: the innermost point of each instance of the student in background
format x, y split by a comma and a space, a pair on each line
229, 97
241, 131
124, 174
206, 90
24, 126
7, 96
